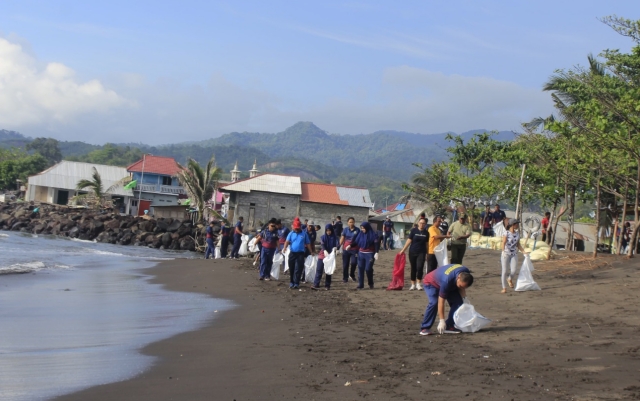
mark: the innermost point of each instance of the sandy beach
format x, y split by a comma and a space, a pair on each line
577, 339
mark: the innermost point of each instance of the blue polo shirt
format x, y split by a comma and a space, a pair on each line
239, 227
283, 233
444, 278
269, 239
499, 216
297, 241
350, 237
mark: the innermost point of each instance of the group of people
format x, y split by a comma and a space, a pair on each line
489, 218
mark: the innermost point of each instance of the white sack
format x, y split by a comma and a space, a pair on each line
442, 254
525, 278
310, 264
396, 242
330, 263
286, 260
278, 258
499, 230
243, 247
253, 245
468, 320
216, 253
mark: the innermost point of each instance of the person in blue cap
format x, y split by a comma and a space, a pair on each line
328, 243
367, 242
447, 283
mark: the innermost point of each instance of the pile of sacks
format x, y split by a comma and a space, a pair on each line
495, 243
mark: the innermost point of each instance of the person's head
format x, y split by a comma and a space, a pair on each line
279, 223
328, 229
273, 225
513, 225
351, 222
423, 215
422, 223
365, 227
306, 221
297, 226
338, 218
388, 218
627, 224
547, 214
464, 280
497, 207
437, 220
222, 223
211, 223
462, 218
318, 227
241, 218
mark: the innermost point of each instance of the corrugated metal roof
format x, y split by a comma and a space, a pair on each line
321, 193
66, 174
282, 184
355, 196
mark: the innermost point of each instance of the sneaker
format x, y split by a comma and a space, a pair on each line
418, 286
413, 287
371, 287
425, 332
327, 288
291, 286
261, 278
345, 281
315, 288
236, 258
452, 330
267, 279
353, 278
296, 287
359, 288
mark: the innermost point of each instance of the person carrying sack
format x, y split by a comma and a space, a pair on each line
367, 254
299, 241
435, 237
269, 240
418, 245
350, 255
328, 242
509, 258
459, 231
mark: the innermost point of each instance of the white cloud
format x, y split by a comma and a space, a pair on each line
49, 96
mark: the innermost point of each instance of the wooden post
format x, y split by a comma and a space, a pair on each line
518, 213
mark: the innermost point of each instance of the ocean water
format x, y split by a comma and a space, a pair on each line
74, 314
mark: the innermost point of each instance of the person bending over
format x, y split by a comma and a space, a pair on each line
448, 283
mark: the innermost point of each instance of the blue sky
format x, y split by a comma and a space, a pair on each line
160, 72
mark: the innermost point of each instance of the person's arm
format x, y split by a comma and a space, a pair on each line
286, 244
504, 242
442, 236
463, 292
341, 240
463, 236
238, 231
522, 249
441, 308
406, 246
313, 252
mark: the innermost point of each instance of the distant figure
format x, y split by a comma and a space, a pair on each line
299, 242
487, 218
435, 237
460, 231
350, 255
367, 254
510, 246
546, 230
237, 238
328, 244
210, 248
337, 226
387, 231
224, 240
498, 215
269, 240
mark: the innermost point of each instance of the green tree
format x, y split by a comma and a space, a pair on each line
200, 183
48, 148
15, 164
96, 193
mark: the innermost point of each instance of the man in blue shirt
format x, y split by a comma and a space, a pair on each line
387, 230
448, 282
269, 240
498, 215
299, 241
237, 238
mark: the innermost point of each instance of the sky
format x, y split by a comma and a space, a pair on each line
164, 72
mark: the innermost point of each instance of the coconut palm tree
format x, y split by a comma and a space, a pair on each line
96, 192
200, 183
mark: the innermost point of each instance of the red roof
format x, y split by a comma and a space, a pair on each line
321, 193
155, 165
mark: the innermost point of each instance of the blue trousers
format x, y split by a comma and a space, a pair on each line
349, 257
210, 249
365, 264
266, 261
388, 240
237, 241
296, 267
319, 273
224, 245
454, 299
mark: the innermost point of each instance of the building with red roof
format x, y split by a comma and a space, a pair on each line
156, 184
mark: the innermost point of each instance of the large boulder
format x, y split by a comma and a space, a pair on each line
174, 226
126, 239
112, 224
166, 239
185, 229
74, 232
187, 244
163, 224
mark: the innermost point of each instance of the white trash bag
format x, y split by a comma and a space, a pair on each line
499, 230
468, 320
441, 254
525, 278
278, 258
243, 247
310, 264
396, 242
286, 260
253, 245
330, 262
216, 253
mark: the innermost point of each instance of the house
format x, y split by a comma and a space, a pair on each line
284, 197
57, 184
156, 184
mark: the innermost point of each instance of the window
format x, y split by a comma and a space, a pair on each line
166, 180
282, 207
252, 204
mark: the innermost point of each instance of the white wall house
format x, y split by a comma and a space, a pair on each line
58, 183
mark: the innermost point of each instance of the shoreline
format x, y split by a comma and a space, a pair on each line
564, 342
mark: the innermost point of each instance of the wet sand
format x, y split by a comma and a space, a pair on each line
577, 339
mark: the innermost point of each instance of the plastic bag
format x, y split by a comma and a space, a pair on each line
525, 278
253, 245
468, 320
243, 247
216, 253
396, 242
441, 254
397, 281
499, 230
330, 263
275, 268
286, 260
310, 265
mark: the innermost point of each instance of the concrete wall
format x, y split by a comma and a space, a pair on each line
322, 213
258, 207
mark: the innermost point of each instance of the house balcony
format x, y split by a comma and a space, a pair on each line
161, 189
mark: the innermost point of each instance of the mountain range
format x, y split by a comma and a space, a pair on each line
380, 161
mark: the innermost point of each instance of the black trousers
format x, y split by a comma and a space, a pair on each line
432, 262
417, 265
457, 253
224, 246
